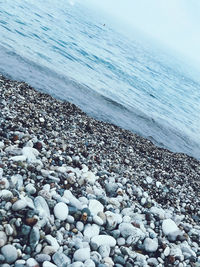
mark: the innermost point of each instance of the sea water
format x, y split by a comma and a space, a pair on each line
67, 51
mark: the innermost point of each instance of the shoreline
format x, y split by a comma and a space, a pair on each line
66, 140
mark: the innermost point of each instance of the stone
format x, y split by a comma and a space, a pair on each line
127, 229
97, 220
169, 226
32, 263
95, 206
82, 254
60, 259
150, 245
73, 201
91, 230
19, 205
166, 251
104, 251
112, 219
30, 189
42, 258
3, 238
6, 194
34, 237
52, 241
100, 240
42, 206
10, 253
48, 264
61, 211
89, 263
111, 189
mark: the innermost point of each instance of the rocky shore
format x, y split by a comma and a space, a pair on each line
76, 192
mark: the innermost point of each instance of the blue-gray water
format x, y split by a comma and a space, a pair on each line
66, 51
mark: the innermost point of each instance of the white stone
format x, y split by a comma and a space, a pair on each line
10, 253
169, 226
149, 179
6, 194
48, 264
61, 211
3, 238
113, 219
89, 263
187, 249
42, 120
42, 206
108, 261
8, 229
158, 184
166, 251
76, 264
103, 240
30, 189
127, 229
52, 241
97, 220
1, 145
150, 245
31, 262
121, 241
158, 211
82, 254
95, 206
73, 200
30, 154
89, 177
18, 158
104, 251
19, 205
79, 226
91, 230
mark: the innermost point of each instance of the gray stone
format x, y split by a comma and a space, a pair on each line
60, 259
42, 258
10, 253
34, 237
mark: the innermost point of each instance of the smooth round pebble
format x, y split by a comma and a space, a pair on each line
61, 211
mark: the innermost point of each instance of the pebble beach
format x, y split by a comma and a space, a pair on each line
77, 192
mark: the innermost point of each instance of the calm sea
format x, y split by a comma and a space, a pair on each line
65, 50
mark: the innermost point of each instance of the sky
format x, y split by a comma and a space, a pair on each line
175, 23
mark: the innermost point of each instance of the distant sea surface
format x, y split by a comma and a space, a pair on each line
65, 50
